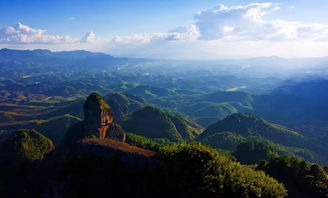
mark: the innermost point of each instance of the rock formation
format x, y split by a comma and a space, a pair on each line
116, 132
98, 119
97, 115
98, 123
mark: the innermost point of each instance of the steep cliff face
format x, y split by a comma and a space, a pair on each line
98, 122
97, 115
115, 132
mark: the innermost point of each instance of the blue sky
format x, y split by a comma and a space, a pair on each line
173, 29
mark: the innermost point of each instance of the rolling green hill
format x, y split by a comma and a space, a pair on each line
53, 128
207, 113
56, 127
25, 146
74, 108
21, 151
228, 96
150, 92
123, 104
152, 122
224, 140
155, 123
189, 130
249, 127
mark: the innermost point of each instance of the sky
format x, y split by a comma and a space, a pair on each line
173, 29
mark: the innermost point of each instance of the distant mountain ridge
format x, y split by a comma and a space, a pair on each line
6, 53
11, 54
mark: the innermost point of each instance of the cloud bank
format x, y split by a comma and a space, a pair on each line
220, 32
23, 34
248, 23
90, 37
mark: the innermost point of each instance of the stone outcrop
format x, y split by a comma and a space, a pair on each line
116, 132
98, 119
97, 115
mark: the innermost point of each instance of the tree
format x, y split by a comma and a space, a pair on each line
252, 152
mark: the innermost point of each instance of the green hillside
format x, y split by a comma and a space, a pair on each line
22, 151
25, 146
224, 140
74, 108
253, 152
249, 125
56, 127
242, 127
150, 92
189, 130
302, 179
228, 96
213, 110
154, 123
123, 104
194, 170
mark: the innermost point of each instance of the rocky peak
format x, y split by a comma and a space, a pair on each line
97, 115
116, 132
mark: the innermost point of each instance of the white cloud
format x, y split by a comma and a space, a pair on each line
276, 8
190, 32
235, 23
138, 39
181, 33
211, 23
221, 32
23, 34
248, 22
89, 37
237, 31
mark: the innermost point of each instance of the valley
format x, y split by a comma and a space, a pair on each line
162, 109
